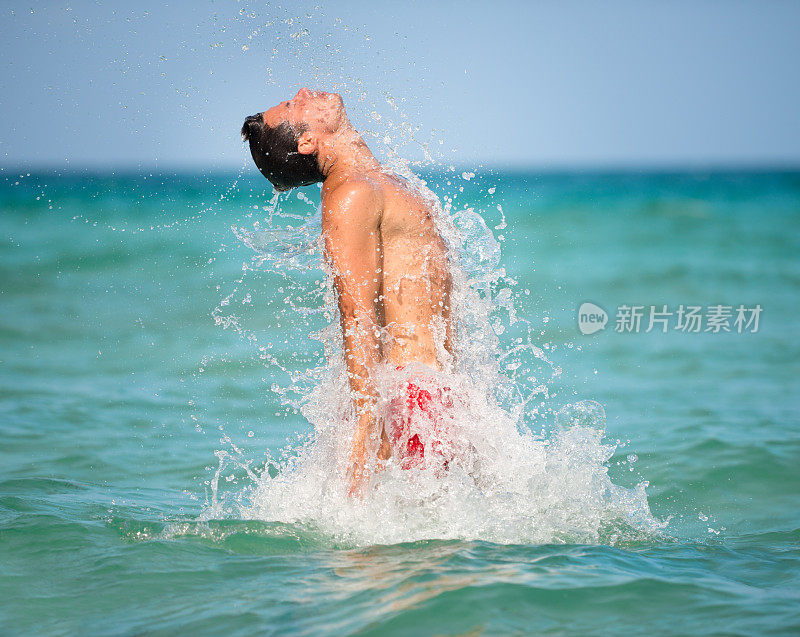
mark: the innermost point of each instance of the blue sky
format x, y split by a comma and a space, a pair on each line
539, 84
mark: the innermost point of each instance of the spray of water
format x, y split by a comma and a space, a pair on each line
505, 482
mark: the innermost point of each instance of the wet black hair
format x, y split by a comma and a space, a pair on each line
275, 153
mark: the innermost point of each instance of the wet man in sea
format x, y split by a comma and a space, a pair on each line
391, 276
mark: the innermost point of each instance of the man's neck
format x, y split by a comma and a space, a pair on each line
345, 154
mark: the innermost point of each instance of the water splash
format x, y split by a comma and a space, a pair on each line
506, 484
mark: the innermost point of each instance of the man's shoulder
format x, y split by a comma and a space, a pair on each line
357, 188
355, 196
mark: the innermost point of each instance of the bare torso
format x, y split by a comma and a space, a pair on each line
416, 279
392, 279
412, 295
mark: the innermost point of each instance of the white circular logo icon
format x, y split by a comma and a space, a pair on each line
591, 318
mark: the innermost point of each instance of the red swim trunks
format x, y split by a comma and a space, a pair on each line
419, 421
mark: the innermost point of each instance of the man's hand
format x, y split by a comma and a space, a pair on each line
358, 471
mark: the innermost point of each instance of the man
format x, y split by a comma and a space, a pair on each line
390, 265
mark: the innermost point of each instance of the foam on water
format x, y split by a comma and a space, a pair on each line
513, 489
504, 483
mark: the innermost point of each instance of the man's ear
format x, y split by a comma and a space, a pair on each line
307, 143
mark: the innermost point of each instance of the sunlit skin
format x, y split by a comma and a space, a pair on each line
390, 265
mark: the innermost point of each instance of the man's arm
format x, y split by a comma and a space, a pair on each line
350, 218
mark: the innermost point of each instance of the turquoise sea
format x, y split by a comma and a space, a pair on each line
145, 357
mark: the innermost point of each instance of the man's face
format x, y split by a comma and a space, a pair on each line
320, 112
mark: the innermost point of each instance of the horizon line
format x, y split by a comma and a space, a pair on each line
479, 167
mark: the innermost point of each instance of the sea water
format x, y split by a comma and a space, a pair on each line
172, 401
